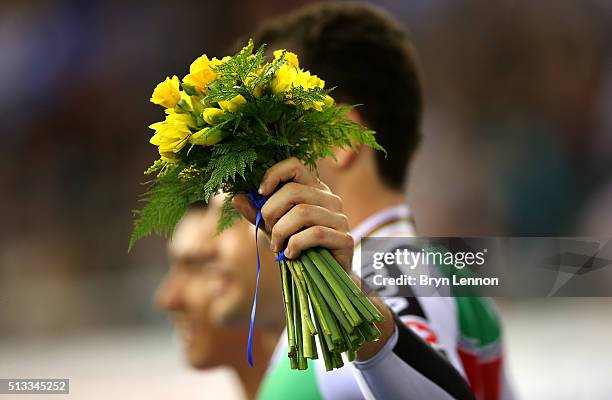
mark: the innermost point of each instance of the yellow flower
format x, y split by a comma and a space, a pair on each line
232, 105
211, 115
169, 140
200, 73
290, 58
308, 81
180, 120
166, 93
216, 62
172, 134
315, 81
318, 105
196, 104
284, 78
185, 101
257, 90
169, 156
288, 76
204, 137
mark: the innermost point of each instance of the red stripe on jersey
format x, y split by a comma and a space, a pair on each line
484, 377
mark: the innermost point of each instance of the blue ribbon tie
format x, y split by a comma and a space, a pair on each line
258, 202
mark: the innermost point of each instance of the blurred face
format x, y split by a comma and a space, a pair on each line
209, 288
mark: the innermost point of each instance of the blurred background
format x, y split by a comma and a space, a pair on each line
518, 141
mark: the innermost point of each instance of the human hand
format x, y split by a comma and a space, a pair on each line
302, 214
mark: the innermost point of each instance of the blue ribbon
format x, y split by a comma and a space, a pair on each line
258, 202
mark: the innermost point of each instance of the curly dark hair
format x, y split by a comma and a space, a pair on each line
369, 56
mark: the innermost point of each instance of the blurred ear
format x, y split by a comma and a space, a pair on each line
354, 115
345, 157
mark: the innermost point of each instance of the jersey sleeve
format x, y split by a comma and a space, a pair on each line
409, 368
421, 360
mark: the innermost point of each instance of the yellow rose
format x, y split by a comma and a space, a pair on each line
211, 115
232, 105
204, 137
166, 93
200, 74
290, 58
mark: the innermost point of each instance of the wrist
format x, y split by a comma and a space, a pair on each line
386, 328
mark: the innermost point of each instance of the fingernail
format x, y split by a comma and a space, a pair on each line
260, 190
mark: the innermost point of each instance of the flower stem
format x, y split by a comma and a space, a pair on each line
298, 329
351, 284
322, 285
287, 300
298, 279
335, 286
321, 299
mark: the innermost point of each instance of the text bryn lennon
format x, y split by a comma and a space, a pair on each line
426, 280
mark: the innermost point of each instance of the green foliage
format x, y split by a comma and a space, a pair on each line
168, 197
228, 215
228, 162
157, 166
233, 75
268, 128
301, 96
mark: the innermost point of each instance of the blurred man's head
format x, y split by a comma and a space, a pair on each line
369, 57
209, 288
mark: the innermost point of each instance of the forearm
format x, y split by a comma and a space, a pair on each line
386, 327
408, 368
401, 365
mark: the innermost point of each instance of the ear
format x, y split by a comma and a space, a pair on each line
346, 156
354, 115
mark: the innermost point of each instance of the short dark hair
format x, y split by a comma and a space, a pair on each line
369, 57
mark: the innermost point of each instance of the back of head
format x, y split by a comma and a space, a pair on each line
369, 57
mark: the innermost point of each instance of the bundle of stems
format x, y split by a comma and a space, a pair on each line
321, 299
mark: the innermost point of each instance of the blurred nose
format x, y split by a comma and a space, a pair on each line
169, 295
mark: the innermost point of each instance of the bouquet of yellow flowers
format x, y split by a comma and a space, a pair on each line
226, 123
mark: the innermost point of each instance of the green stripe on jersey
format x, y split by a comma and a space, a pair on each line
478, 321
